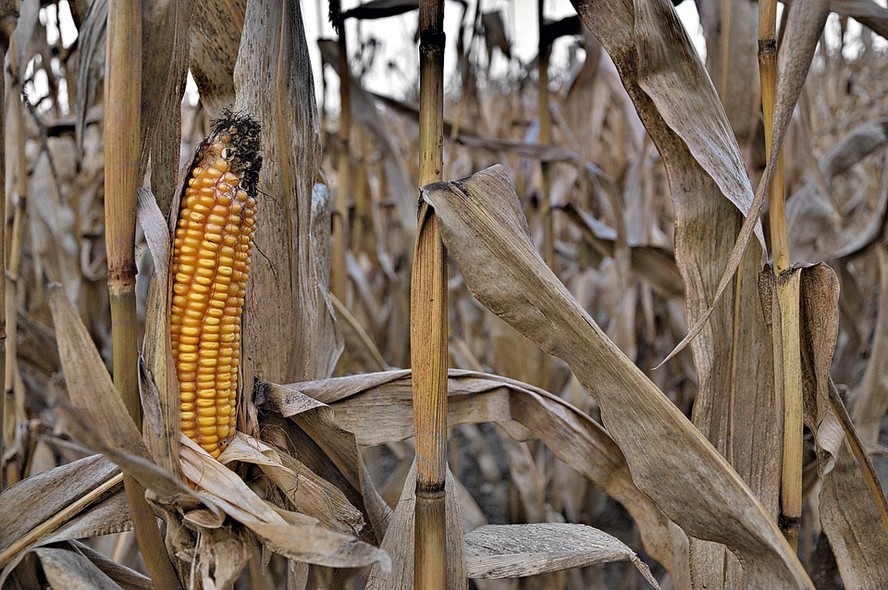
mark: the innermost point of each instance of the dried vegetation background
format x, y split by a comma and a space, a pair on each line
613, 221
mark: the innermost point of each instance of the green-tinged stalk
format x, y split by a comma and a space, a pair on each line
428, 316
123, 85
545, 168
787, 355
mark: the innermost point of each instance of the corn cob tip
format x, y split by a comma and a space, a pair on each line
241, 136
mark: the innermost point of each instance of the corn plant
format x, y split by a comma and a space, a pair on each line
614, 317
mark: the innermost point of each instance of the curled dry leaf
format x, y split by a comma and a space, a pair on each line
73, 501
377, 408
485, 232
98, 417
291, 534
654, 264
309, 494
216, 31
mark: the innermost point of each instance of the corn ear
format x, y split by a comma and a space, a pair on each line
211, 262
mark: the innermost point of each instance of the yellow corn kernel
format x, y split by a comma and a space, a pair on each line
211, 256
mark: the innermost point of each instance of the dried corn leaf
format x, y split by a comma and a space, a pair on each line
283, 315
99, 418
731, 49
329, 336
165, 50
870, 398
486, 234
652, 263
159, 387
867, 12
655, 78
544, 153
37, 499
853, 508
678, 105
75, 566
309, 494
377, 408
330, 452
818, 232
671, 74
91, 58
216, 31
291, 534
78, 495
518, 550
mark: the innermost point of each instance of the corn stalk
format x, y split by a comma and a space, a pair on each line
6, 28
123, 81
787, 355
343, 171
428, 315
14, 256
545, 170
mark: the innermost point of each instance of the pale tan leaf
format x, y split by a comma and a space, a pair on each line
377, 407
671, 74
652, 263
486, 234
99, 418
517, 550
337, 458
159, 387
165, 50
870, 398
309, 494
731, 49
70, 570
817, 231
853, 507
291, 534
804, 26
91, 41
39, 498
867, 12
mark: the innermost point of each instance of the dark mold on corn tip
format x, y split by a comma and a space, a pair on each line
245, 143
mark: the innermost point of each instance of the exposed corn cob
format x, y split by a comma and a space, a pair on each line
211, 260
